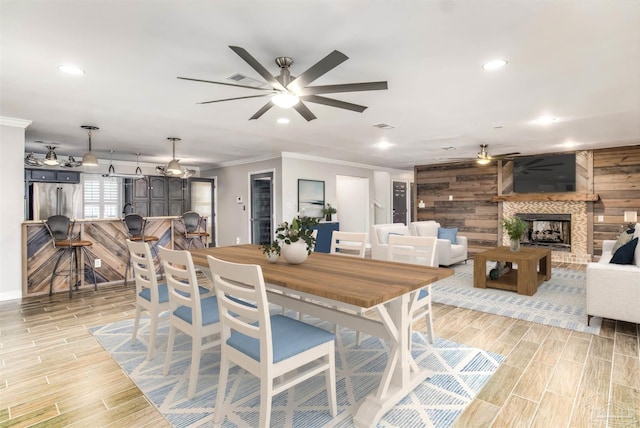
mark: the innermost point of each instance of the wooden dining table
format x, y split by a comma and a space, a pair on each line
338, 289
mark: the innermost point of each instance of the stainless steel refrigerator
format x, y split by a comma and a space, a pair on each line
49, 199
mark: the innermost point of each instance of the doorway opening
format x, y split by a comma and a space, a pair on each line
262, 202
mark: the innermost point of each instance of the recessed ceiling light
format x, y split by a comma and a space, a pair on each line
383, 145
283, 120
544, 120
495, 64
70, 69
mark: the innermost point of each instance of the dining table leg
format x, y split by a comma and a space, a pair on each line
402, 374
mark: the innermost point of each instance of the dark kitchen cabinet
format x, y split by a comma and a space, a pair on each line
176, 196
52, 176
156, 196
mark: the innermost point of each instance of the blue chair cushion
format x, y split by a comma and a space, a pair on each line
289, 337
423, 293
163, 293
210, 314
448, 233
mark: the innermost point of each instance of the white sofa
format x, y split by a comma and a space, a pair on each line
446, 252
613, 290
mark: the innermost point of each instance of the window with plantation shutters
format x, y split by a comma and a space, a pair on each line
102, 196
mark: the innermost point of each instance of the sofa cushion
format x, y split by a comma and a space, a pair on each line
625, 255
448, 233
622, 239
426, 228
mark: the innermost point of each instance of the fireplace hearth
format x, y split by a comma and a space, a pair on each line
547, 230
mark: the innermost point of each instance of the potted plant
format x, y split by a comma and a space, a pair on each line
515, 228
328, 211
272, 251
296, 238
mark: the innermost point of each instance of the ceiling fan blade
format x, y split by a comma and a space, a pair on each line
334, 103
326, 64
236, 98
347, 87
505, 155
258, 67
226, 84
262, 110
304, 111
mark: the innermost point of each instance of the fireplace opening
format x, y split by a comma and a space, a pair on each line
547, 230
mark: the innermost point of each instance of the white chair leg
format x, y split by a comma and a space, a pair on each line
167, 361
331, 382
218, 412
357, 338
136, 323
266, 395
195, 366
430, 325
151, 348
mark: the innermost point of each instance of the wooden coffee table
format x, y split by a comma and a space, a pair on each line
534, 267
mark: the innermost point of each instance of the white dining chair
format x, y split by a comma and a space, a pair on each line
189, 312
420, 250
352, 244
267, 346
150, 296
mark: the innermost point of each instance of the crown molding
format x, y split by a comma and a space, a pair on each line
16, 123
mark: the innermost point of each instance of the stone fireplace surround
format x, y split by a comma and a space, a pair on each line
579, 235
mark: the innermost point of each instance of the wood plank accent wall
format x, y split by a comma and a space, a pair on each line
616, 178
612, 174
471, 209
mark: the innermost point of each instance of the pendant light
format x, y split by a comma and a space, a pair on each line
174, 167
112, 170
89, 159
138, 169
51, 158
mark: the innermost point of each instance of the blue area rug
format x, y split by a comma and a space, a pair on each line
559, 302
459, 373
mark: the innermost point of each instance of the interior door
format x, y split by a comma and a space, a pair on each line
262, 208
201, 200
400, 202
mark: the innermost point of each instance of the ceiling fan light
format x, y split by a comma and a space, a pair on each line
285, 100
483, 161
174, 167
89, 159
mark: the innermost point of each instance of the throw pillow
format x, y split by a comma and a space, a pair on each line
448, 233
625, 254
623, 238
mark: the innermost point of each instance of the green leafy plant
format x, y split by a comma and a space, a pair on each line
515, 227
329, 210
300, 228
272, 247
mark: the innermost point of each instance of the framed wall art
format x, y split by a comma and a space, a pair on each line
310, 198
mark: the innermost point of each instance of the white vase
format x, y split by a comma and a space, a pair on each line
272, 256
295, 253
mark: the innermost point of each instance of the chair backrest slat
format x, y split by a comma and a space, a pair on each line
412, 249
240, 281
352, 244
182, 282
144, 269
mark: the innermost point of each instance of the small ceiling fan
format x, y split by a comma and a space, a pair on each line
483, 157
290, 91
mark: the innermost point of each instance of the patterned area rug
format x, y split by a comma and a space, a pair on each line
559, 302
459, 373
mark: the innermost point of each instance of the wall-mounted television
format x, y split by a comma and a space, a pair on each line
544, 173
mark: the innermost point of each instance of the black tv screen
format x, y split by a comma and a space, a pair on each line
544, 173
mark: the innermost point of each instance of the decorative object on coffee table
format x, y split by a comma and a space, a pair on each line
515, 228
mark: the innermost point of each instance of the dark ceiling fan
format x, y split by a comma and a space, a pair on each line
483, 157
295, 90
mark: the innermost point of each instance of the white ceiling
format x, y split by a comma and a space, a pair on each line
576, 60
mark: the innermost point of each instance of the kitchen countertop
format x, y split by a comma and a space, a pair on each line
100, 220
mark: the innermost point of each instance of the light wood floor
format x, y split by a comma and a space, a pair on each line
54, 373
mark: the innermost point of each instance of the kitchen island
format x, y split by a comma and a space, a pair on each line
109, 247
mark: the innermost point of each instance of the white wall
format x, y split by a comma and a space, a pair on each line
232, 182
12, 212
352, 195
382, 191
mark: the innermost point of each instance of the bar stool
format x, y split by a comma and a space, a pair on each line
136, 224
192, 222
61, 230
